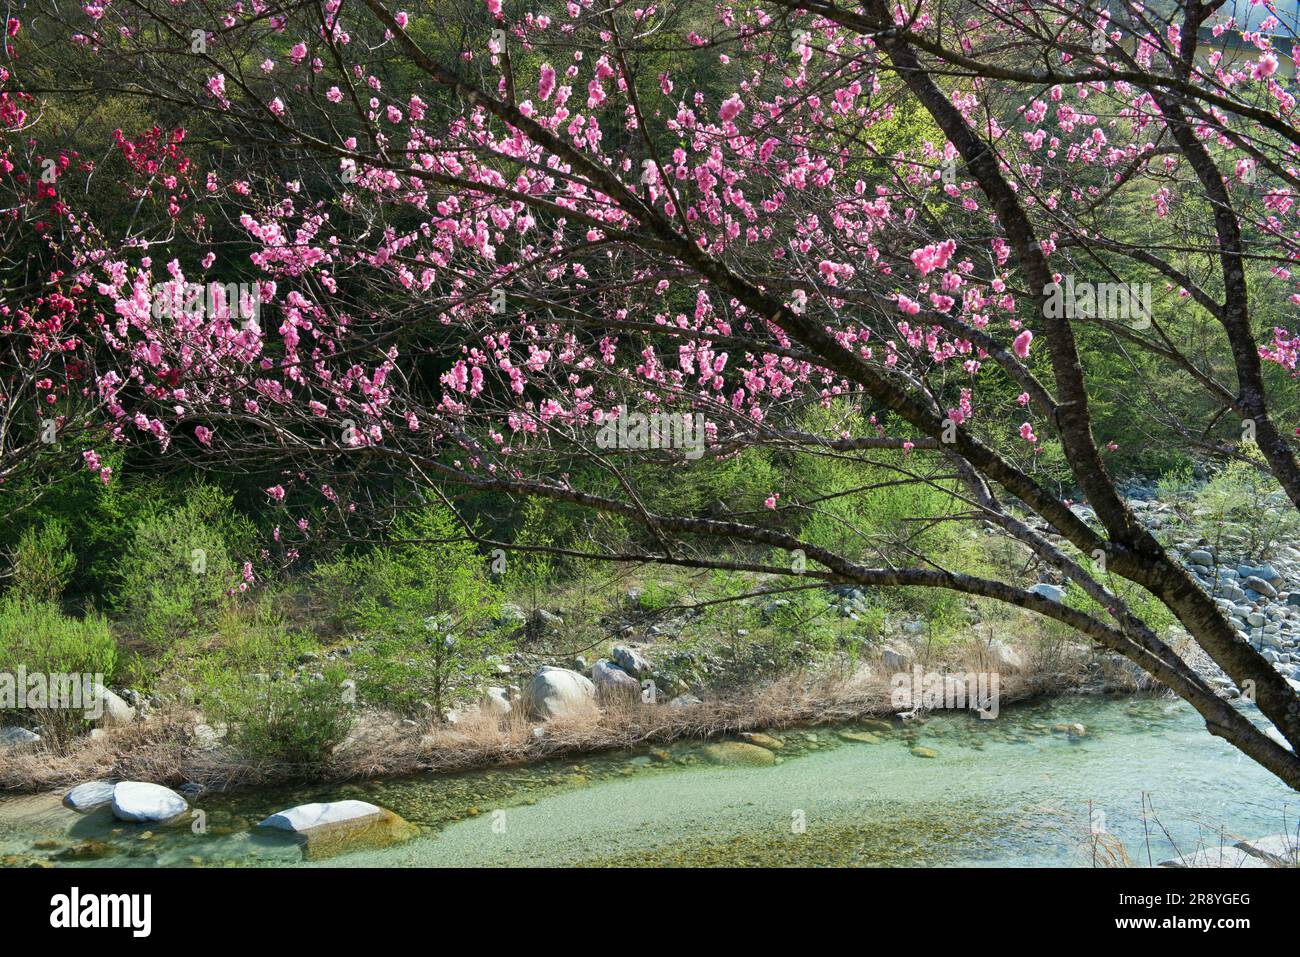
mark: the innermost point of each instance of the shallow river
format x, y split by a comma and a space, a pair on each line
1011, 791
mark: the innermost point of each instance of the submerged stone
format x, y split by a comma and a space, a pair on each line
861, 737
738, 753
325, 830
921, 752
1226, 857
875, 724
1280, 850
85, 851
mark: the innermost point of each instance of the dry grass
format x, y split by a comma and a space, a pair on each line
162, 749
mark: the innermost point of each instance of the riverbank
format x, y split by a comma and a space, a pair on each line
173, 747
1068, 780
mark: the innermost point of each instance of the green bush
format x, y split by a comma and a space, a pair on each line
180, 565
285, 720
248, 683
1244, 505
38, 637
42, 562
801, 623
529, 575
426, 605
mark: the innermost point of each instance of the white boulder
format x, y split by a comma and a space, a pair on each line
894, 659
304, 817
1050, 592
556, 692
498, 701
140, 801
632, 661
88, 796
1004, 657
339, 827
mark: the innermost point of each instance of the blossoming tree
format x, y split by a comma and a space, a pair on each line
474, 232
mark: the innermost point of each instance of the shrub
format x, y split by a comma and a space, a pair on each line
427, 605
42, 562
529, 574
271, 713
1246, 506
38, 637
180, 565
286, 720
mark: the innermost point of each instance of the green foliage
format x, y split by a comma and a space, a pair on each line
271, 713
803, 617
729, 615
43, 562
1175, 483
180, 565
528, 573
426, 605
1142, 603
286, 720
656, 595
39, 638
736, 482
866, 511
1245, 505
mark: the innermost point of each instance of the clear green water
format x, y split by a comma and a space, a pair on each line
1005, 792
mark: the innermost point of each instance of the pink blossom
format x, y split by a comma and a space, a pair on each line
731, 108
932, 257
1265, 66
546, 82
276, 492
1021, 345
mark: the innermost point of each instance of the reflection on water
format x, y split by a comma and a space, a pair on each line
1019, 790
